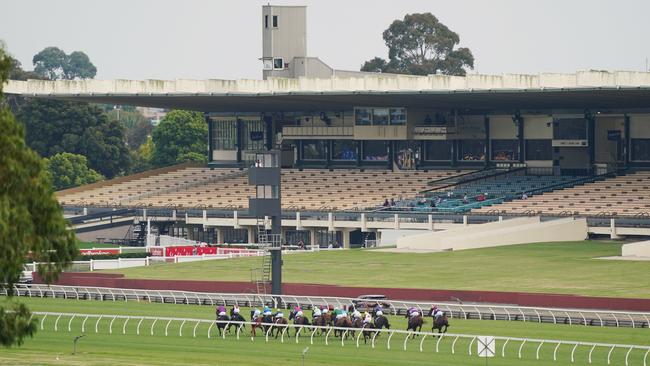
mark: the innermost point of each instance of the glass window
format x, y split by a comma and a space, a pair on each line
251, 133
363, 116
641, 149
278, 64
570, 129
275, 21
471, 150
266, 21
314, 150
344, 150
398, 116
375, 151
438, 150
539, 150
267, 192
231, 235
380, 116
407, 154
224, 135
505, 150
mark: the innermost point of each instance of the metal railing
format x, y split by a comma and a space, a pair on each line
147, 324
585, 317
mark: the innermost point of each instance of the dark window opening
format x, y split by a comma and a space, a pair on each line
275, 21
505, 150
570, 129
375, 151
641, 149
539, 150
438, 150
314, 150
471, 150
266, 21
344, 150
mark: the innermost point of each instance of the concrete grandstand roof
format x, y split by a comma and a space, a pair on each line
584, 89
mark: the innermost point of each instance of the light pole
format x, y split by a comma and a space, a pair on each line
304, 353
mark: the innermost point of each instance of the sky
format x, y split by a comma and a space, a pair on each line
213, 39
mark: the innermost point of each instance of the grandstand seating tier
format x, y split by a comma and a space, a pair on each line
308, 189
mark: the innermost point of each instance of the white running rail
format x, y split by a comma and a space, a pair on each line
569, 316
140, 324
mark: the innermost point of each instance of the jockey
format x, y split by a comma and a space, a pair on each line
435, 312
256, 314
338, 313
325, 311
412, 312
267, 311
279, 314
317, 312
221, 310
235, 310
367, 318
299, 313
356, 314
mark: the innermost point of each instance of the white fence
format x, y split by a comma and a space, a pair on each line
99, 264
585, 317
449, 341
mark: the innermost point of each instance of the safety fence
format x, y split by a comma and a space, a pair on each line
457, 310
504, 347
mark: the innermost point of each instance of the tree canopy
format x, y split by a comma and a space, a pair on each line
31, 221
420, 45
53, 63
180, 137
80, 128
70, 170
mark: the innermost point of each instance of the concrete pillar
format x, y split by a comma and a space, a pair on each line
251, 235
85, 211
364, 224
298, 222
612, 230
396, 218
235, 220
174, 215
330, 221
465, 220
430, 218
312, 236
219, 232
346, 238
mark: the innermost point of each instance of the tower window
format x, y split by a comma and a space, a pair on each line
266, 21
278, 64
275, 21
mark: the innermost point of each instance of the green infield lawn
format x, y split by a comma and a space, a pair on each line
51, 347
566, 268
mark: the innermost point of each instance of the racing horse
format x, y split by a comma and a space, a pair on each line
263, 322
222, 322
298, 320
342, 322
323, 321
415, 323
279, 325
440, 323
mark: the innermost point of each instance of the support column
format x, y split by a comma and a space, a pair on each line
591, 137
239, 139
312, 237
346, 237
210, 147
219, 233
520, 135
626, 141
486, 122
251, 234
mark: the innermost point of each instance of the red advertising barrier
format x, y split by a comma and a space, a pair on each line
185, 250
99, 251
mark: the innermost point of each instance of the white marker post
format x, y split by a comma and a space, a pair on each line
486, 347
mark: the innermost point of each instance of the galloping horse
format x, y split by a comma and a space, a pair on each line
238, 318
440, 323
298, 320
381, 322
279, 322
343, 322
222, 321
263, 322
415, 323
323, 321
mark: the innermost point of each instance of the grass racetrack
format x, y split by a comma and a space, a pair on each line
561, 268
54, 348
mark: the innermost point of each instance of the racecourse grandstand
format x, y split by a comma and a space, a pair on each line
624, 195
302, 189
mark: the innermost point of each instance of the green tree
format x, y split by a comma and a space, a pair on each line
419, 45
70, 170
31, 221
142, 156
53, 63
79, 128
180, 137
137, 128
